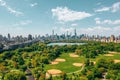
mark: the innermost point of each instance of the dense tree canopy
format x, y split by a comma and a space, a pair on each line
36, 56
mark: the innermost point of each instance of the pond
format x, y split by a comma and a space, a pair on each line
62, 44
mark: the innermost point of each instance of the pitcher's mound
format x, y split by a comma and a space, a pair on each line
78, 64
108, 55
54, 71
116, 61
74, 55
59, 60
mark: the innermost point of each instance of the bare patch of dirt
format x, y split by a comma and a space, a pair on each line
54, 71
78, 64
108, 55
54, 62
116, 61
74, 55
59, 60
112, 52
94, 62
47, 75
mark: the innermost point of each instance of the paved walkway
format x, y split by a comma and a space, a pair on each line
29, 76
78, 70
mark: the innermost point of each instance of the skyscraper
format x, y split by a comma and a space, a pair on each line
75, 34
30, 37
52, 32
112, 38
9, 37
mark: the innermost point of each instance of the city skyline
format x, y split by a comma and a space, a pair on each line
40, 17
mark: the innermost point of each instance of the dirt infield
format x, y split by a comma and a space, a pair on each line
54, 62
74, 55
116, 61
112, 52
59, 60
78, 64
108, 55
54, 71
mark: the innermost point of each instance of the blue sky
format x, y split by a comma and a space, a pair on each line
93, 17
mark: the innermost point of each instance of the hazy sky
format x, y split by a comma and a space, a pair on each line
21, 17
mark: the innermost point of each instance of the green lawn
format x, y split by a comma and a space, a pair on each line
66, 66
115, 56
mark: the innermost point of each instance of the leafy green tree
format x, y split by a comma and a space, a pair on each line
20, 60
87, 62
90, 76
79, 52
105, 63
2, 68
25, 55
45, 60
15, 76
34, 63
64, 76
97, 73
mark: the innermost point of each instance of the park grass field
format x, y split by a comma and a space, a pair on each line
66, 66
115, 56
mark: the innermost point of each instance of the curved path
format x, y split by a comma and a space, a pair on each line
29, 76
78, 70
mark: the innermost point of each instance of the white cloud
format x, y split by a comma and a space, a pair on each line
11, 10
115, 22
97, 30
74, 24
64, 14
97, 20
23, 23
63, 29
114, 8
15, 28
100, 30
16, 13
103, 9
33, 4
